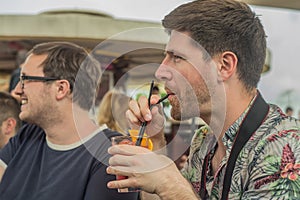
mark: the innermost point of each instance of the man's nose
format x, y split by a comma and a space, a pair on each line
163, 72
18, 89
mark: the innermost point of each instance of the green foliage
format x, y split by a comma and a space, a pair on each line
166, 102
139, 95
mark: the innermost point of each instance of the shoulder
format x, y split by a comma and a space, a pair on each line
103, 137
277, 122
277, 135
110, 133
99, 144
272, 151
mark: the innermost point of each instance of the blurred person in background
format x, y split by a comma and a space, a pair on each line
289, 111
9, 117
112, 109
14, 79
155, 90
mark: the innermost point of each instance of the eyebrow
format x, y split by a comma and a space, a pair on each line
177, 53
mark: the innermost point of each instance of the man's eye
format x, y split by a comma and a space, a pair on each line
177, 59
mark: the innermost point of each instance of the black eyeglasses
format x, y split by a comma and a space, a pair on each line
35, 78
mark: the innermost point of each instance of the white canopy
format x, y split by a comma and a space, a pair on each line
89, 28
135, 40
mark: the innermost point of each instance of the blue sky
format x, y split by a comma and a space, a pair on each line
282, 27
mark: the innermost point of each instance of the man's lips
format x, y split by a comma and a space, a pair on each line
169, 92
24, 101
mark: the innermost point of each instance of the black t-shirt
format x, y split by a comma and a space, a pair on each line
39, 170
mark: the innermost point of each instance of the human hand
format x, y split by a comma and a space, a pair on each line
147, 170
139, 112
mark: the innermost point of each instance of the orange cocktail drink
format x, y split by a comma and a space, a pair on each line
131, 140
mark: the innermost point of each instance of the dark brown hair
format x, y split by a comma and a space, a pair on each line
9, 107
73, 63
224, 25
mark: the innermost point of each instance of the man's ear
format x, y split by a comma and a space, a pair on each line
227, 65
63, 89
9, 126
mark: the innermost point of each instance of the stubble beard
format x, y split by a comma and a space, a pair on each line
43, 114
188, 105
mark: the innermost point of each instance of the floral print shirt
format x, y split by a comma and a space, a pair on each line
268, 166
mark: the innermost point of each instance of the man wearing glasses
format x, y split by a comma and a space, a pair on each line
61, 154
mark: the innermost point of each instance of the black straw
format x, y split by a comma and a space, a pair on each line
144, 124
161, 100
150, 92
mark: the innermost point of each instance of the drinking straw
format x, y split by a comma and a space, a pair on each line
159, 101
144, 124
150, 92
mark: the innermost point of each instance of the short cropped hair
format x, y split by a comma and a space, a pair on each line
224, 25
9, 107
71, 62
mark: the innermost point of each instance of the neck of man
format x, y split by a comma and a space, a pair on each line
227, 109
72, 127
236, 104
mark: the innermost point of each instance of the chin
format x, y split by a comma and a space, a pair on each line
179, 116
24, 117
186, 113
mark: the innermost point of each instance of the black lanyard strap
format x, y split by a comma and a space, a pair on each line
253, 119
203, 192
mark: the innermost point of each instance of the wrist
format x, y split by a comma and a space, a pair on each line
172, 189
158, 140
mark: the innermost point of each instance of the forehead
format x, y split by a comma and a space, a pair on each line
33, 64
182, 43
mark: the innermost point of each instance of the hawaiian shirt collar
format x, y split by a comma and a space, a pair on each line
230, 134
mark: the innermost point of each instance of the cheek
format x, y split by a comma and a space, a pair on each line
205, 79
36, 99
